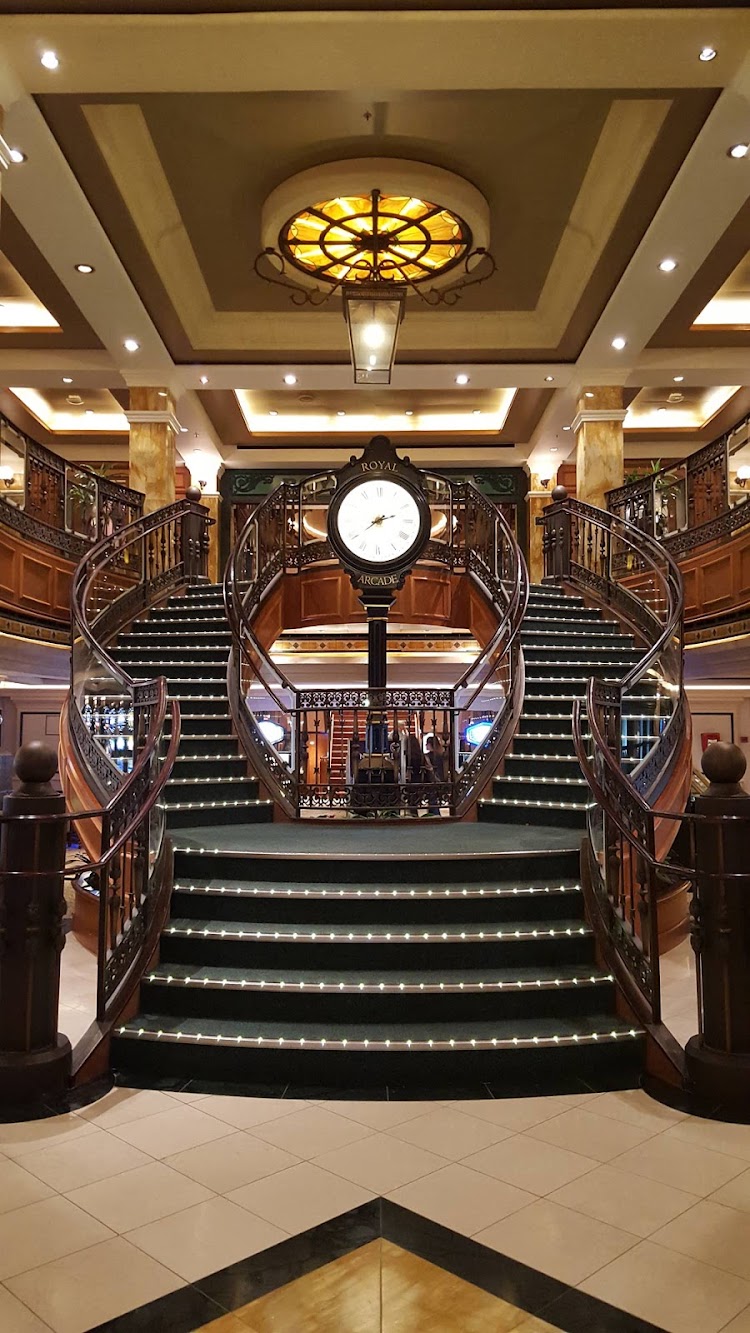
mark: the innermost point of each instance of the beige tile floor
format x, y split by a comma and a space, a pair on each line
110, 1207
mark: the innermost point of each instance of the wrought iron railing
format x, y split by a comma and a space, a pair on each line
689, 503
371, 751
64, 505
630, 735
120, 578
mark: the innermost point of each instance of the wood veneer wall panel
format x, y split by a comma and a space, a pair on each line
34, 579
717, 577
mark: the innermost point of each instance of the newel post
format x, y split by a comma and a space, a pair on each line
718, 1060
195, 537
556, 520
35, 1059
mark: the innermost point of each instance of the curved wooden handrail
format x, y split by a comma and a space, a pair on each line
270, 546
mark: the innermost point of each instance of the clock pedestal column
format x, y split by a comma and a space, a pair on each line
377, 606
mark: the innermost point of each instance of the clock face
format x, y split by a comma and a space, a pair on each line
378, 521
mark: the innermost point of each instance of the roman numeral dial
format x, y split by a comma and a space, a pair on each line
378, 520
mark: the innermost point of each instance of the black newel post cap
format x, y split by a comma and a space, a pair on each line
724, 765
559, 493
35, 764
193, 493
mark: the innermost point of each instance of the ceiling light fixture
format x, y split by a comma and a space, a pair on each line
131, 345
668, 266
273, 412
162, 393
554, 449
477, 412
341, 414
204, 379
290, 380
462, 379
17, 156
707, 53
678, 378
737, 150
84, 268
49, 59
67, 379
549, 379
408, 412
373, 248
89, 412
567, 427
588, 394
619, 342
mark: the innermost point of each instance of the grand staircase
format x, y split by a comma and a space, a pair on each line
440, 955
564, 644
188, 642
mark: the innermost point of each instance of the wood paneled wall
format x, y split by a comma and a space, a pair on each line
33, 579
717, 578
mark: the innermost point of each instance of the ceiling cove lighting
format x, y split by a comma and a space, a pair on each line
373, 248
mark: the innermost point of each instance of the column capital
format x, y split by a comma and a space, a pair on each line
5, 157
598, 414
165, 417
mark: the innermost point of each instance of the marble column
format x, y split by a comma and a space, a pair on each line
211, 503
151, 455
537, 499
599, 443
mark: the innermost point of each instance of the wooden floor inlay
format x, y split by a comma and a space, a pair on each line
379, 1288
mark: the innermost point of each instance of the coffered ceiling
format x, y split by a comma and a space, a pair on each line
598, 138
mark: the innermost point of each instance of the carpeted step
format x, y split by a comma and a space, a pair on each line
182, 814
527, 810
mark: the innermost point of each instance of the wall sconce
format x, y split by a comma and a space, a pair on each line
742, 477
7, 476
545, 481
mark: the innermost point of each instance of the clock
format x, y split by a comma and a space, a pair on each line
379, 518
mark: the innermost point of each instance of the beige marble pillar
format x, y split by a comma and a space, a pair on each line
210, 501
151, 455
599, 443
537, 499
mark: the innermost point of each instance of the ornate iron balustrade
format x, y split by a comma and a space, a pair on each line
691, 502
353, 748
64, 505
629, 734
119, 578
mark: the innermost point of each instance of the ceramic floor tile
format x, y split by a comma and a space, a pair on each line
311, 1132
18, 1187
140, 1196
66, 1166
635, 1107
674, 1162
450, 1133
172, 1131
246, 1112
18, 1318
205, 1238
44, 1231
232, 1161
464, 1200
613, 1196
675, 1293
734, 1140
377, 1115
85, 1289
591, 1135
735, 1194
740, 1324
530, 1164
123, 1105
380, 1163
712, 1233
299, 1198
516, 1113
30, 1135
556, 1240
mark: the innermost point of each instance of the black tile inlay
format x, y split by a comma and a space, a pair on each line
72, 1100
567, 1308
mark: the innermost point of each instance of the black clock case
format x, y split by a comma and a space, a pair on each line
379, 462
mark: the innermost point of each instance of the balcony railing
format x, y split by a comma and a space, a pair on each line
361, 750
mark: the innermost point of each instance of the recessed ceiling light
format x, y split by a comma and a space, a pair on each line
567, 428
67, 379
619, 342
678, 378
18, 157
341, 414
549, 379
462, 379
183, 430
408, 412
84, 268
162, 393
290, 379
477, 412
668, 266
204, 379
660, 410
707, 53
273, 412
131, 345
588, 394
553, 449
737, 150
49, 59
89, 412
